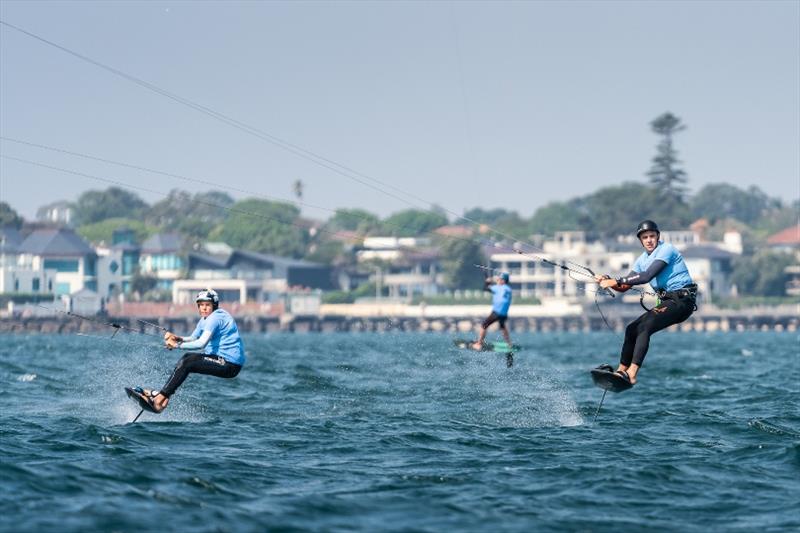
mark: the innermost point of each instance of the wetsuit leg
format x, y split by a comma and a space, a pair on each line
199, 363
491, 319
637, 334
631, 332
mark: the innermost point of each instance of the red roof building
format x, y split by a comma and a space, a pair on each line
790, 237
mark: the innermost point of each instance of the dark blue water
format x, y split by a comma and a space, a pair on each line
403, 432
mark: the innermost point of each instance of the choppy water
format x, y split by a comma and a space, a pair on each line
403, 432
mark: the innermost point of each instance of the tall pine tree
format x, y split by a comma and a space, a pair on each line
665, 175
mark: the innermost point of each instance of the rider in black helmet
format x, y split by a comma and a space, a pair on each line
663, 267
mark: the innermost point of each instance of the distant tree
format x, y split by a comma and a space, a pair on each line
459, 258
664, 174
762, 274
103, 231
324, 251
501, 222
721, 200
266, 227
195, 216
357, 220
413, 223
142, 283
9, 217
556, 216
114, 202
777, 218
492, 217
616, 210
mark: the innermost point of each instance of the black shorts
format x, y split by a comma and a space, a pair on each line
494, 317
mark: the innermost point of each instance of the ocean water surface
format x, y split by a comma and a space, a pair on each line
403, 432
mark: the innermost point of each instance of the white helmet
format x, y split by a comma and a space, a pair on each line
208, 295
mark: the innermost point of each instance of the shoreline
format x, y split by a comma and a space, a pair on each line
761, 319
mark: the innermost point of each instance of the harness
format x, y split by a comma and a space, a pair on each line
689, 291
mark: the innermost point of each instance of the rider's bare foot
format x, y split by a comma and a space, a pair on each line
630, 372
158, 400
477, 346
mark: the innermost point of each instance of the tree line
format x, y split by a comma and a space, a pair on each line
278, 228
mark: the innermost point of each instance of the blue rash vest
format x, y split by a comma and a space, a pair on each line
501, 299
225, 340
673, 276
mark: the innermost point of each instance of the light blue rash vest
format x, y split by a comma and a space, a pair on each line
673, 276
225, 340
501, 299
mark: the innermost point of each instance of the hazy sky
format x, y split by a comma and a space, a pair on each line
462, 104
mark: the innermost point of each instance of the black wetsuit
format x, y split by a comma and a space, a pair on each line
674, 308
199, 363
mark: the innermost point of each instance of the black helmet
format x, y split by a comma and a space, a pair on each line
647, 225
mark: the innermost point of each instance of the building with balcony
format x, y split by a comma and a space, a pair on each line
404, 267
533, 272
534, 275
160, 257
117, 264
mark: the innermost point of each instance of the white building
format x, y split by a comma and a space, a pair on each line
15, 277
534, 274
710, 268
405, 266
59, 259
56, 213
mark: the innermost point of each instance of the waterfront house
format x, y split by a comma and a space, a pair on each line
709, 263
788, 240
160, 257
533, 277
710, 267
404, 266
247, 277
117, 264
61, 251
60, 213
17, 278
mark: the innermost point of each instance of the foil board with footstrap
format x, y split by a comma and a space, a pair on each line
606, 378
137, 395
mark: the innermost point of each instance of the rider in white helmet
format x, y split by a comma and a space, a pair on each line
215, 348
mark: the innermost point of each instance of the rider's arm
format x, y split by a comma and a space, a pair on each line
487, 284
637, 278
196, 344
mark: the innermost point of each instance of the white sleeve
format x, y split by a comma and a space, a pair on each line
196, 344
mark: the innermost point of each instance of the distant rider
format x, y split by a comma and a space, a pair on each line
501, 301
663, 267
216, 349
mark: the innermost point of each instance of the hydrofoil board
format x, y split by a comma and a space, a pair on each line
605, 378
137, 395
